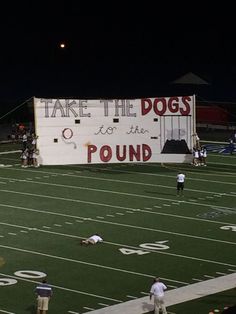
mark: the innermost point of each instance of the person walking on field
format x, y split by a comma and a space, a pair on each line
180, 183
44, 293
157, 290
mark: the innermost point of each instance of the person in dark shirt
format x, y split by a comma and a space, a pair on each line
44, 293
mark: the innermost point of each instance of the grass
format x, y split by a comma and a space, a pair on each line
45, 212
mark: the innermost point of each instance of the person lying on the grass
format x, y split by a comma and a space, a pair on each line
92, 240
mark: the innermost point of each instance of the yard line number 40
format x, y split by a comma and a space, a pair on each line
32, 274
149, 247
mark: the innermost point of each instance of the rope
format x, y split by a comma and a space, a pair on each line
14, 109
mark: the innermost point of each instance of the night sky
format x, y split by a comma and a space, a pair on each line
112, 51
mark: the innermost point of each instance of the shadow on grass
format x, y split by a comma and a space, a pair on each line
31, 309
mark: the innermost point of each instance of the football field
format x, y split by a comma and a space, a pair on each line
148, 231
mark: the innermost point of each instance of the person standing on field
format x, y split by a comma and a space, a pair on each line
180, 183
157, 291
44, 293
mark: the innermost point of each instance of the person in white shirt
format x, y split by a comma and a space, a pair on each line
195, 157
24, 158
35, 154
180, 183
92, 240
157, 290
204, 156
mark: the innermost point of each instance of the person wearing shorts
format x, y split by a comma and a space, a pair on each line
44, 293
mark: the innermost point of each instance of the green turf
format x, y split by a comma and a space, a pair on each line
45, 212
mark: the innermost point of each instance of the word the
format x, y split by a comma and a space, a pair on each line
137, 130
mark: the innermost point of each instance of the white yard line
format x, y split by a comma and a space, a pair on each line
62, 288
113, 192
129, 246
131, 297
103, 304
124, 225
10, 152
215, 173
99, 265
164, 175
132, 182
173, 297
112, 268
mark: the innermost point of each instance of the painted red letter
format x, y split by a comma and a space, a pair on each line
91, 149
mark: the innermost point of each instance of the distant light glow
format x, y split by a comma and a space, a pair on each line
62, 45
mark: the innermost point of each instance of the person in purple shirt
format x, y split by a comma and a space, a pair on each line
44, 293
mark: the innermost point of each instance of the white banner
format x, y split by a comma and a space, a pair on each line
75, 131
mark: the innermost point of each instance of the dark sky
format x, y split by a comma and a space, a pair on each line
114, 51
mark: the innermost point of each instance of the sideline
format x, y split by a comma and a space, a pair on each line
173, 297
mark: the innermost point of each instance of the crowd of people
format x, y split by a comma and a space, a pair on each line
199, 156
199, 152
20, 133
29, 152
